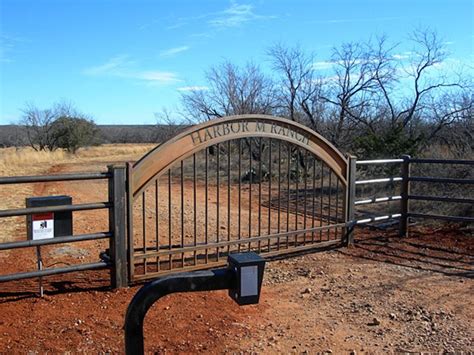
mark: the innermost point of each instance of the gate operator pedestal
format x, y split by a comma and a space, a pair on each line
47, 225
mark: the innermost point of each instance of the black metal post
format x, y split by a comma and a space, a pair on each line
117, 224
40, 267
220, 279
350, 199
405, 191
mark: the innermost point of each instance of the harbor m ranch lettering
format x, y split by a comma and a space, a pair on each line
243, 127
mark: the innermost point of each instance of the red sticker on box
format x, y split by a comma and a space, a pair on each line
43, 216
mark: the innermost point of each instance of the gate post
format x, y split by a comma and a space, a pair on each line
117, 218
351, 193
405, 191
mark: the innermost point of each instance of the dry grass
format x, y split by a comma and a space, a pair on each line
111, 150
25, 160
15, 161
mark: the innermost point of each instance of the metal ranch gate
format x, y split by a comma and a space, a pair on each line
241, 183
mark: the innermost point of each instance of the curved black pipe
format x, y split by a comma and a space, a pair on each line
210, 280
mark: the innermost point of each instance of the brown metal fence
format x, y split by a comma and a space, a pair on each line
258, 194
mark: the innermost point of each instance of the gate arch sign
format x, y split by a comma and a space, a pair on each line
216, 131
240, 183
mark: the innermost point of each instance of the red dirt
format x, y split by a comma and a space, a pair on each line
384, 294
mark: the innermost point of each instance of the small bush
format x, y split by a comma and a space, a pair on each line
71, 133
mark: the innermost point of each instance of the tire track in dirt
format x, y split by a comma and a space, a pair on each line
41, 188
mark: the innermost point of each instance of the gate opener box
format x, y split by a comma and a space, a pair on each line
48, 225
249, 269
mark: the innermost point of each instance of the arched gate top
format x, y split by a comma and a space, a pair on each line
206, 134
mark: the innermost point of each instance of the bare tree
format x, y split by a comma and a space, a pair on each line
398, 104
38, 126
359, 69
231, 91
167, 125
373, 102
295, 68
300, 89
436, 99
452, 111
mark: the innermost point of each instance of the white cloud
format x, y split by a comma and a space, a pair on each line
402, 56
157, 76
202, 35
116, 66
173, 51
323, 65
122, 67
235, 16
8, 45
185, 21
355, 20
328, 79
193, 88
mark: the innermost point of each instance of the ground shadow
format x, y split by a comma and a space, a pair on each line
449, 252
62, 284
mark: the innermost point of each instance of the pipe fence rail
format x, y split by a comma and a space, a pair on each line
116, 177
373, 199
442, 199
406, 180
51, 178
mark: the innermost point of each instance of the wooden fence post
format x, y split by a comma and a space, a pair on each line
117, 223
405, 191
351, 193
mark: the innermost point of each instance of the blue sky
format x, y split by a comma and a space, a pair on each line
120, 61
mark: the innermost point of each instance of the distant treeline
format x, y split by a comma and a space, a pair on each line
15, 135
